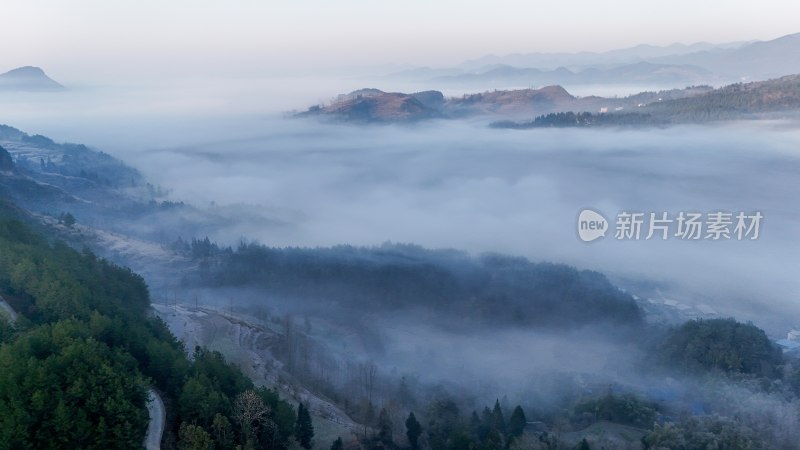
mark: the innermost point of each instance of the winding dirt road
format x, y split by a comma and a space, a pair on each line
158, 416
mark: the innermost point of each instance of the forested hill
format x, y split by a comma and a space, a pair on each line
41, 156
48, 178
734, 102
76, 364
490, 289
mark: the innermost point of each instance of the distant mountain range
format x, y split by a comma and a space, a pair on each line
670, 66
754, 61
632, 74
610, 58
699, 103
28, 78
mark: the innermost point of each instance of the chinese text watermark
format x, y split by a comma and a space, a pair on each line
683, 225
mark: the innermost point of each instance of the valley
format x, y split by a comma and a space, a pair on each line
399, 267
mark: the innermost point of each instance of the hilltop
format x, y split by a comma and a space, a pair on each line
374, 105
28, 78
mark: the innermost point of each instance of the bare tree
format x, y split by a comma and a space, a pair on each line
368, 372
251, 413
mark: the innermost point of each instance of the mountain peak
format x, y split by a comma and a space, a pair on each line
28, 78
26, 71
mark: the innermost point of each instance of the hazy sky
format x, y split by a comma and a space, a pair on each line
96, 39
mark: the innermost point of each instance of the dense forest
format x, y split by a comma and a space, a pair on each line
491, 289
74, 368
722, 345
583, 119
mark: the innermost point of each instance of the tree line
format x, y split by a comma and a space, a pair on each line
487, 290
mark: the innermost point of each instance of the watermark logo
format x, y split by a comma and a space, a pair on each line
591, 225
687, 226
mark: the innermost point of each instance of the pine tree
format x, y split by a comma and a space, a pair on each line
304, 429
337, 444
486, 417
498, 420
413, 430
475, 424
517, 422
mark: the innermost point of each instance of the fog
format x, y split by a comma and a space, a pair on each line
461, 185
331, 344
229, 148
454, 184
